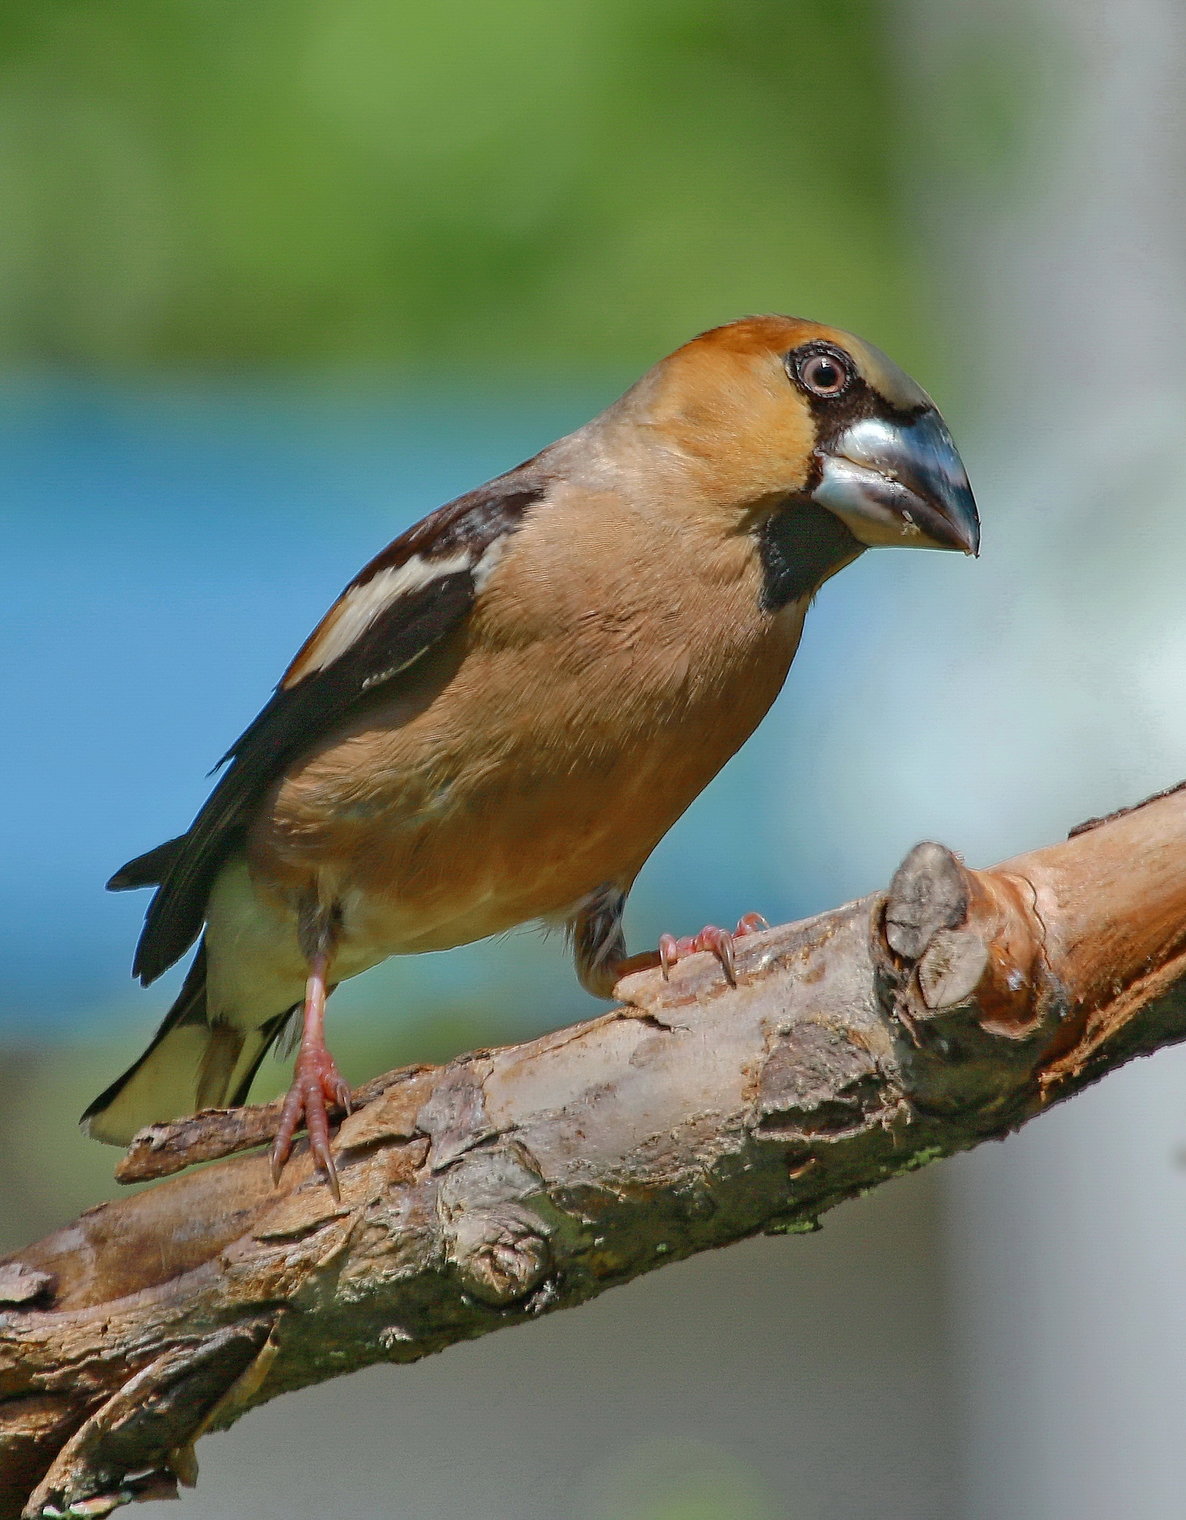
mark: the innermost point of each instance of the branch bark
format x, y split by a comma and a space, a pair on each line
857, 1045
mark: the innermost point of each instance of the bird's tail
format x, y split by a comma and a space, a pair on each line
191, 1064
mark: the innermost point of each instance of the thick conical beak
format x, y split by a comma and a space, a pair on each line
900, 483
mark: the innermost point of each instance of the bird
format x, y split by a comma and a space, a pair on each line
507, 709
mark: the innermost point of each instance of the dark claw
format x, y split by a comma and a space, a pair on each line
719, 942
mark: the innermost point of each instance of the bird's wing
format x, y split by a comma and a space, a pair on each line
418, 590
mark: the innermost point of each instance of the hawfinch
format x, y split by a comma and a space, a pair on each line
505, 711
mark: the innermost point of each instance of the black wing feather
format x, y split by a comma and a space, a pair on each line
291, 723
299, 715
149, 869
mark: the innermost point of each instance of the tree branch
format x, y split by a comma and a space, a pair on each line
858, 1045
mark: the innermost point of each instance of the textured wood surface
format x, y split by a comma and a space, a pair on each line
865, 1042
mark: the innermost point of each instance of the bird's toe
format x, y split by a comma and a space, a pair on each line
317, 1085
717, 942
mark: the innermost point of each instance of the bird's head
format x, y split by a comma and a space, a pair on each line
815, 439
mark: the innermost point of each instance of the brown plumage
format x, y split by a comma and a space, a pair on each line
509, 707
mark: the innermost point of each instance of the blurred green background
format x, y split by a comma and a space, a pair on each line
468, 189
275, 281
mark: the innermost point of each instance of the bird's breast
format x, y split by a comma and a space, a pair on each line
544, 752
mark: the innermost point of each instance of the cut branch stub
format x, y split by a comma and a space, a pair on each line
929, 892
960, 968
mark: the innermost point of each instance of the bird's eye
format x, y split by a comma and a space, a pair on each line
822, 371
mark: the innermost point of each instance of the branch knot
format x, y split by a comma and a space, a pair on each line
497, 1242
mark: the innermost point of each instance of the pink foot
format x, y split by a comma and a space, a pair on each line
718, 942
316, 1082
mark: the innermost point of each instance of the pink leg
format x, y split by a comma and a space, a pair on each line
316, 1081
718, 942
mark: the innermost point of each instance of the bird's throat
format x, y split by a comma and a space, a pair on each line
801, 545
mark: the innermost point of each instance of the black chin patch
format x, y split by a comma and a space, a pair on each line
801, 545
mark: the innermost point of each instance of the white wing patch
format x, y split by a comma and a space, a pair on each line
361, 605
487, 562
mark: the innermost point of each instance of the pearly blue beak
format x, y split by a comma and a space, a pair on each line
900, 483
